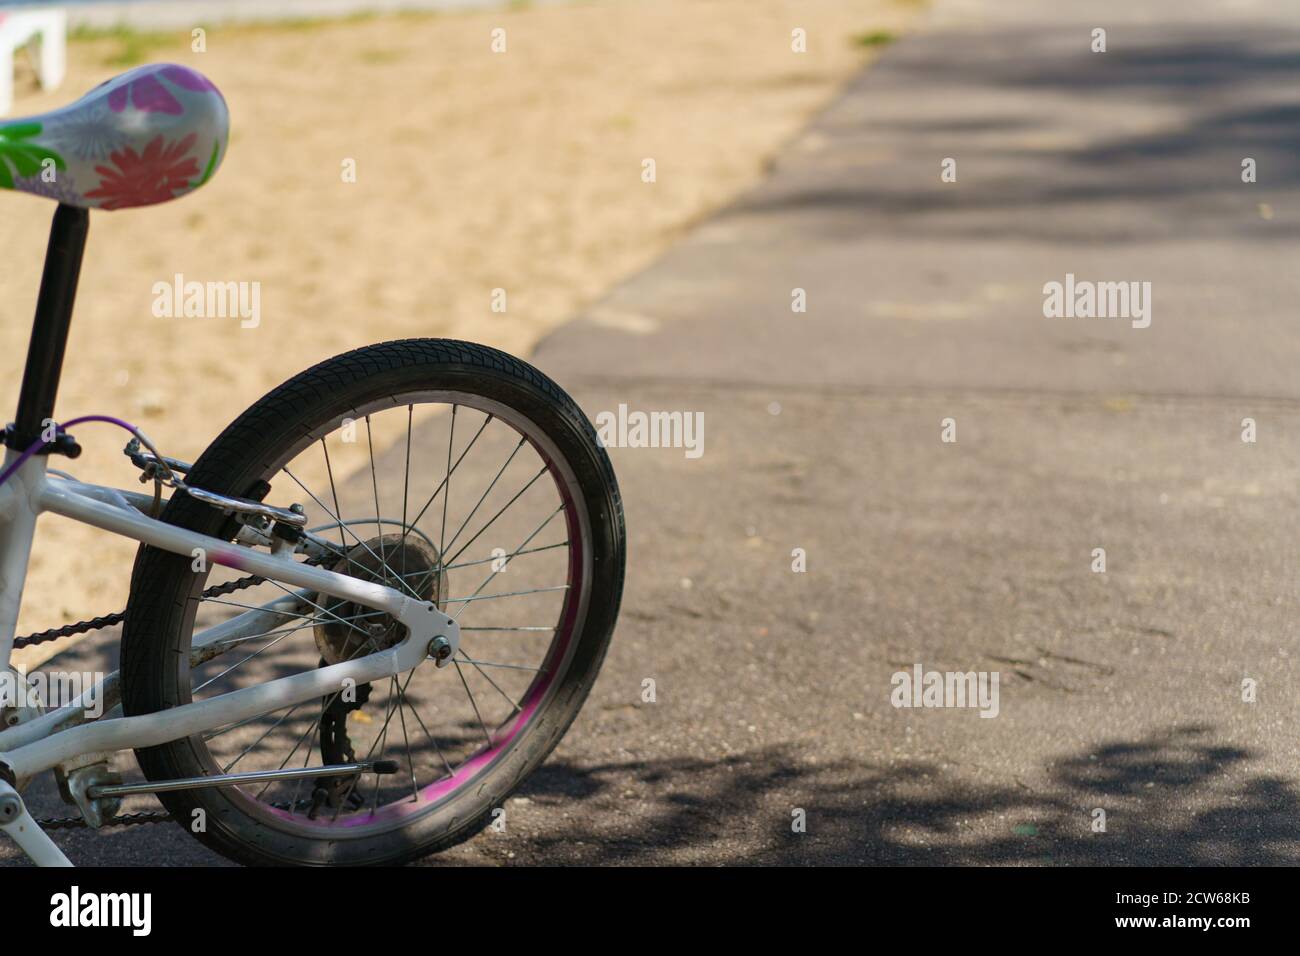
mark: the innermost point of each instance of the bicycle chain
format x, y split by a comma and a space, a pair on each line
81, 627
96, 624
108, 620
126, 820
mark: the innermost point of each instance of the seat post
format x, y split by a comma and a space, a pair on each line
50, 330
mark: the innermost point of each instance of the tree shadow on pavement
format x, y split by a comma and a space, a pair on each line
1164, 120
1172, 798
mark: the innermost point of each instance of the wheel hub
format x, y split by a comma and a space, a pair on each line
366, 630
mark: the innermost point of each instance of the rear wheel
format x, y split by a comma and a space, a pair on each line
450, 471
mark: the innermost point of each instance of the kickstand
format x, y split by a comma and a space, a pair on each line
18, 823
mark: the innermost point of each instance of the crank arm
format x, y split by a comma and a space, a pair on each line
22, 829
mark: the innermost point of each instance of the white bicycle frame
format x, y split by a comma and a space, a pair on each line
68, 737
64, 734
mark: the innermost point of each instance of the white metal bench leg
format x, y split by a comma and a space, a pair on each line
17, 29
18, 823
6, 79
54, 49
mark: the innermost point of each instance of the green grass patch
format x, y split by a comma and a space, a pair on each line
874, 38
131, 46
309, 23
320, 23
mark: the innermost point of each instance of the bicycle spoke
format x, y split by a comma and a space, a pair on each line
493, 597
491, 485
383, 748
471, 564
248, 749
451, 471
513, 667
442, 534
306, 759
333, 490
406, 741
284, 632
472, 702
213, 734
336, 617
254, 607
325, 706
499, 513
342, 526
418, 719
507, 475
406, 480
383, 735
508, 558
514, 707
374, 483
232, 667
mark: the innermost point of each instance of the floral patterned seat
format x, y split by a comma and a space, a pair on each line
147, 136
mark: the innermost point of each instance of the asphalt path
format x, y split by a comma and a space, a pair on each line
1119, 691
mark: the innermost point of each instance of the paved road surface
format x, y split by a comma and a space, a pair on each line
1119, 691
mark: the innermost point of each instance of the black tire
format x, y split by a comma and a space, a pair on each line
164, 589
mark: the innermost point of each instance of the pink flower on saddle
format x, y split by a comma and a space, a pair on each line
148, 95
156, 175
188, 79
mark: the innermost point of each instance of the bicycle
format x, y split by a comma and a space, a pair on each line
351, 624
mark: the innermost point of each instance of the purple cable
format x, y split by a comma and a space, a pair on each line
41, 443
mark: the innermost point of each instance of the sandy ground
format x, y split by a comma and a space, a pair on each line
475, 171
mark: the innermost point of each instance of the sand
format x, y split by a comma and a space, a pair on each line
475, 171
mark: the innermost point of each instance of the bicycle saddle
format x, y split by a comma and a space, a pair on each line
147, 136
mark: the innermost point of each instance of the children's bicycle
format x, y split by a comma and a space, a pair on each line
360, 618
